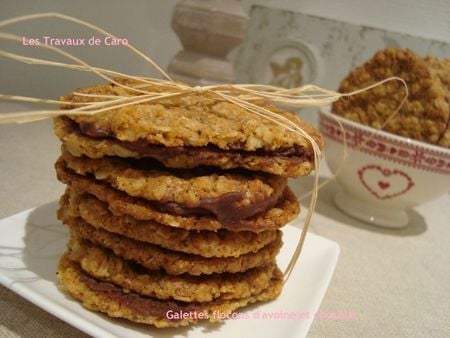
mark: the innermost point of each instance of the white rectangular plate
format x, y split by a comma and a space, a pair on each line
33, 240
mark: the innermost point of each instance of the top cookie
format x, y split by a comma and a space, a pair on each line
194, 120
424, 116
198, 121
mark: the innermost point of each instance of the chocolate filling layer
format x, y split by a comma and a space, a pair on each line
149, 149
142, 305
123, 204
223, 207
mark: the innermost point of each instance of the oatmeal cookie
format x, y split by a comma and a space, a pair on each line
442, 69
229, 195
423, 117
193, 120
117, 302
121, 204
293, 161
221, 243
154, 257
102, 264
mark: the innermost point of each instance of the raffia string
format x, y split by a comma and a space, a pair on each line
242, 95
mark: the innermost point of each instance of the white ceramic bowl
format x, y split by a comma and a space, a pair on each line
385, 174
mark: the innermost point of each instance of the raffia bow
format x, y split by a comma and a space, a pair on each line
243, 95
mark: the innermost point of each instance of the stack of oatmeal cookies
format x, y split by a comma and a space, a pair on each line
174, 207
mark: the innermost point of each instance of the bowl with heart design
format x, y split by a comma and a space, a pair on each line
384, 174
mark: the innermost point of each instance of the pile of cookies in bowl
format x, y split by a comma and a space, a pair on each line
396, 161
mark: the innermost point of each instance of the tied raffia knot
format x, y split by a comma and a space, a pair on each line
140, 91
199, 89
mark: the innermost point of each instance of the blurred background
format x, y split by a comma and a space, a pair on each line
147, 25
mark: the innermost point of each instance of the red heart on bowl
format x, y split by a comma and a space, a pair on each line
384, 183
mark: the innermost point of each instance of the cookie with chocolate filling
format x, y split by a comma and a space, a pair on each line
221, 243
425, 115
154, 257
286, 209
189, 131
228, 195
108, 298
102, 264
